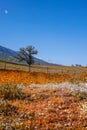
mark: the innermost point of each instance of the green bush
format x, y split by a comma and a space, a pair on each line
5, 108
11, 92
80, 95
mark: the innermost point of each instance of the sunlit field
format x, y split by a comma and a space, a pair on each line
43, 101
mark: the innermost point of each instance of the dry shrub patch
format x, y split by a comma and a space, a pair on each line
11, 92
21, 77
49, 109
80, 95
40, 108
26, 78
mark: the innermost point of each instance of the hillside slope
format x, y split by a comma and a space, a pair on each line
7, 54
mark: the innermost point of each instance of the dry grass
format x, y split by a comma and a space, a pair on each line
20, 77
42, 68
33, 107
44, 108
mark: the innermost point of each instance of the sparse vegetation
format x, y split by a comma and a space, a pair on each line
51, 109
36, 107
11, 92
80, 95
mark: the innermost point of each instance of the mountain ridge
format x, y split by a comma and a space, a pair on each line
7, 54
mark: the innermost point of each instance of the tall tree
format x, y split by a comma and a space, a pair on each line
26, 54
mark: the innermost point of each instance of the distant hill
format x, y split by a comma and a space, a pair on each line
7, 51
7, 54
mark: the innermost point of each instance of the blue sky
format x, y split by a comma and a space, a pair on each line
56, 28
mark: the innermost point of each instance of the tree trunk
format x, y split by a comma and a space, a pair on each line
29, 68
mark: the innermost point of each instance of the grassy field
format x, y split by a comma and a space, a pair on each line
21, 77
43, 101
39, 107
42, 68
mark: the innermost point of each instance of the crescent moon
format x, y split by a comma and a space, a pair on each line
6, 11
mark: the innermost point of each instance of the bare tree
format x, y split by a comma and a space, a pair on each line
26, 54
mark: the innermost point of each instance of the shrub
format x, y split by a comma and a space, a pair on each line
6, 108
80, 95
11, 92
